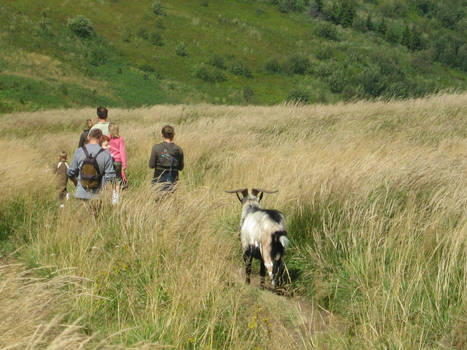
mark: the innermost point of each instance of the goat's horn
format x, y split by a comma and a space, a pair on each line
236, 191
264, 191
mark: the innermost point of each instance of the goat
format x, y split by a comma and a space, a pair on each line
263, 235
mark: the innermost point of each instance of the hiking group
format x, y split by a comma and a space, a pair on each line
100, 162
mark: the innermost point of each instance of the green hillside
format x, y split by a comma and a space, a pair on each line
133, 53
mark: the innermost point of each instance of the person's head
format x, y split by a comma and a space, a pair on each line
62, 156
105, 142
168, 133
102, 112
95, 136
114, 131
89, 123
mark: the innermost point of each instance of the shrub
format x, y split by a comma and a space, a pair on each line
142, 33
209, 74
324, 52
286, 6
156, 39
326, 30
299, 96
248, 94
239, 68
81, 26
180, 50
98, 55
217, 61
158, 9
273, 65
297, 64
337, 81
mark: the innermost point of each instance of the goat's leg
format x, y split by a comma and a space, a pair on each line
262, 273
247, 258
269, 265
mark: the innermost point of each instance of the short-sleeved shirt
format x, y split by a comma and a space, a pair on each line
103, 126
166, 156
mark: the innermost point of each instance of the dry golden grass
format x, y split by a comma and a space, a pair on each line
169, 273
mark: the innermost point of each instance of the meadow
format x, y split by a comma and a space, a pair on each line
375, 199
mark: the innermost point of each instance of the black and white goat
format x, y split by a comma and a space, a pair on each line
263, 235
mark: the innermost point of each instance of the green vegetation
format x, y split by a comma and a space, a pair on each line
144, 53
376, 220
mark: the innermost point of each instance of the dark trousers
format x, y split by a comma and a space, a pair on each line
167, 179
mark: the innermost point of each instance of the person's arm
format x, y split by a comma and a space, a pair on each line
123, 153
153, 158
109, 170
182, 164
73, 169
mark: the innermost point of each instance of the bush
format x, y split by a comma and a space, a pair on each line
98, 56
81, 26
324, 52
326, 30
337, 81
180, 50
239, 68
297, 64
299, 96
286, 6
273, 65
156, 39
158, 9
248, 94
209, 74
217, 61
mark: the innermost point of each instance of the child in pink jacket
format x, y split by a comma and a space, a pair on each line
118, 152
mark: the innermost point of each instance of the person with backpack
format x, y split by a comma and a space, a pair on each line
166, 160
93, 166
84, 135
102, 123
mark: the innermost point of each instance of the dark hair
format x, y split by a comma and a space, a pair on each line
102, 112
168, 132
95, 134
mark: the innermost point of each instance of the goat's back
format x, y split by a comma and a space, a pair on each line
259, 226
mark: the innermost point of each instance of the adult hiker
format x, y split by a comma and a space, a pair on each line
167, 160
93, 166
84, 135
102, 123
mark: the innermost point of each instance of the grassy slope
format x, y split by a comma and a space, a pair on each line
58, 69
375, 198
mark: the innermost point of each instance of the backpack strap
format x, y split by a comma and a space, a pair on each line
86, 153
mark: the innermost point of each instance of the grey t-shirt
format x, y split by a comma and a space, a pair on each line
105, 163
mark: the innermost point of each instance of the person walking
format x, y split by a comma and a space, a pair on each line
93, 167
102, 123
84, 135
166, 160
62, 178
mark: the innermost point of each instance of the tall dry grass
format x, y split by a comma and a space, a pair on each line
375, 196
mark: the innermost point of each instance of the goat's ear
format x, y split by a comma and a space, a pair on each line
245, 192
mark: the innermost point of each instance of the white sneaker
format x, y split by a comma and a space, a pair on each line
115, 197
